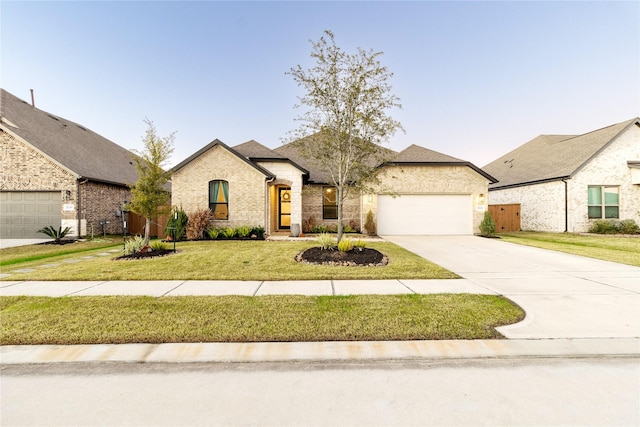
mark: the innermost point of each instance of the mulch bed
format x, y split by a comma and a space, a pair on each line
357, 257
143, 255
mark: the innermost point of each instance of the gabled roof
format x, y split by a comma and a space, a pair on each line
78, 149
552, 157
416, 155
218, 143
254, 150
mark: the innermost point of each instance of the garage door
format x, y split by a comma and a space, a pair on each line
425, 214
23, 213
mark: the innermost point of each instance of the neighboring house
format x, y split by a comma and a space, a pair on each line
566, 182
421, 191
59, 173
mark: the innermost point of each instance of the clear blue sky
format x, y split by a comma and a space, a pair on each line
475, 79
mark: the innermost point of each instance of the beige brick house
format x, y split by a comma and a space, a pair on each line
566, 182
421, 191
56, 172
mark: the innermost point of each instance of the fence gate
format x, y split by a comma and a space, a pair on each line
135, 225
506, 217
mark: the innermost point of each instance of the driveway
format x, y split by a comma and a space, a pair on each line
565, 296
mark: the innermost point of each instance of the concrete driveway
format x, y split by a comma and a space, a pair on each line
565, 296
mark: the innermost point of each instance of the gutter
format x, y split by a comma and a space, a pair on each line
566, 205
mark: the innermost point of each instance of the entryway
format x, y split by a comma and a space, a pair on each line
284, 208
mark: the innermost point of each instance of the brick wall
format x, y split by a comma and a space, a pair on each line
98, 205
312, 207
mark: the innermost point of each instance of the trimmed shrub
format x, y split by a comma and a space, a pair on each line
133, 245
370, 224
629, 226
326, 241
243, 231
228, 232
198, 222
613, 226
258, 232
487, 226
177, 220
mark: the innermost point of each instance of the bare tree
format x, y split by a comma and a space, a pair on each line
347, 99
149, 196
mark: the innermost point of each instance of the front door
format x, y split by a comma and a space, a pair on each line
284, 208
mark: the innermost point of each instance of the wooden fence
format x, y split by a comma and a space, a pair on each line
506, 217
135, 225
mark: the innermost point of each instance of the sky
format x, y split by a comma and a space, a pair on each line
475, 79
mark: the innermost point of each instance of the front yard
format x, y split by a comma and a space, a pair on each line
213, 260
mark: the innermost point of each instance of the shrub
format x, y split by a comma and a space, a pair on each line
487, 226
370, 224
326, 241
213, 233
177, 220
133, 245
613, 226
57, 235
158, 245
258, 232
320, 228
228, 232
309, 224
198, 222
243, 231
345, 245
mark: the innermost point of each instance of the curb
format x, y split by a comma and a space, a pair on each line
318, 351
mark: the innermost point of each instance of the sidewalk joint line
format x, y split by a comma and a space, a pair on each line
400, 281
174, 288
257, 289
88, 287
333, 289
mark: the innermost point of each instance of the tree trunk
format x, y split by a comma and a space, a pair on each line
339, 201
147, 231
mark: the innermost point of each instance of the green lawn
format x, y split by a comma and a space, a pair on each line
120, 319
20, 254
220, 260
625, 250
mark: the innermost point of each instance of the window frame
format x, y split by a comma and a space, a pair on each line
224, 186
602, 205
327, 206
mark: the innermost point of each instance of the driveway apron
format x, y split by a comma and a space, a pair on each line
564, 295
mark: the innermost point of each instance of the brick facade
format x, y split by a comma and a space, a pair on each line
312, 208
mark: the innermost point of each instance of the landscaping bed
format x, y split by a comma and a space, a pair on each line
361, 257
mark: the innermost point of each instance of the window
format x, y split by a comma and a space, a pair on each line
603, 202
219, 199
329, 203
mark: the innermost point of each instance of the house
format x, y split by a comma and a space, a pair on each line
566, 182
420, 191
57, 172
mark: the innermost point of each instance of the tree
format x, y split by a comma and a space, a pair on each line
347, 98
148, 195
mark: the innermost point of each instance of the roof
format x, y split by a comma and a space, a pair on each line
253, 149
249, 146
75, 147
416, 155
552, 157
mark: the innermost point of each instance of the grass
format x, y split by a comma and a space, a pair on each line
228, 260
21, 254
624, 250
120, 319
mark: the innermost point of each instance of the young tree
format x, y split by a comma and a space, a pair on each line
148, 195
347, 99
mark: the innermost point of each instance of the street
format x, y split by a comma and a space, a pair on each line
496, 391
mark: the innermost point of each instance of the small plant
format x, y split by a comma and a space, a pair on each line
258, 232
177, 223
613, 226
320, 228
158, 245
308, 224
243, 231
326, 241
133, 245
370, 224
629, 226
228, 232
487, 226
57, 235
213, 233
345, 245
360, 244
198, 222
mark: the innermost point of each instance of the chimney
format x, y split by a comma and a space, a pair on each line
33, 100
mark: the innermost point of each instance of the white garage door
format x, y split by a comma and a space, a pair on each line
424, 215
23, 213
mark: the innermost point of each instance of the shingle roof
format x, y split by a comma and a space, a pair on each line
75, 147
253, 149
552, 157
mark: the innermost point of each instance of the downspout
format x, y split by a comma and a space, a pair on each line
566, 205
267, 212
78, 183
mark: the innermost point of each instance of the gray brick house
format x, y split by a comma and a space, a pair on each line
566, 182
421, 191
56, 172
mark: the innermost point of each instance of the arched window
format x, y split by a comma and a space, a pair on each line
219, 199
